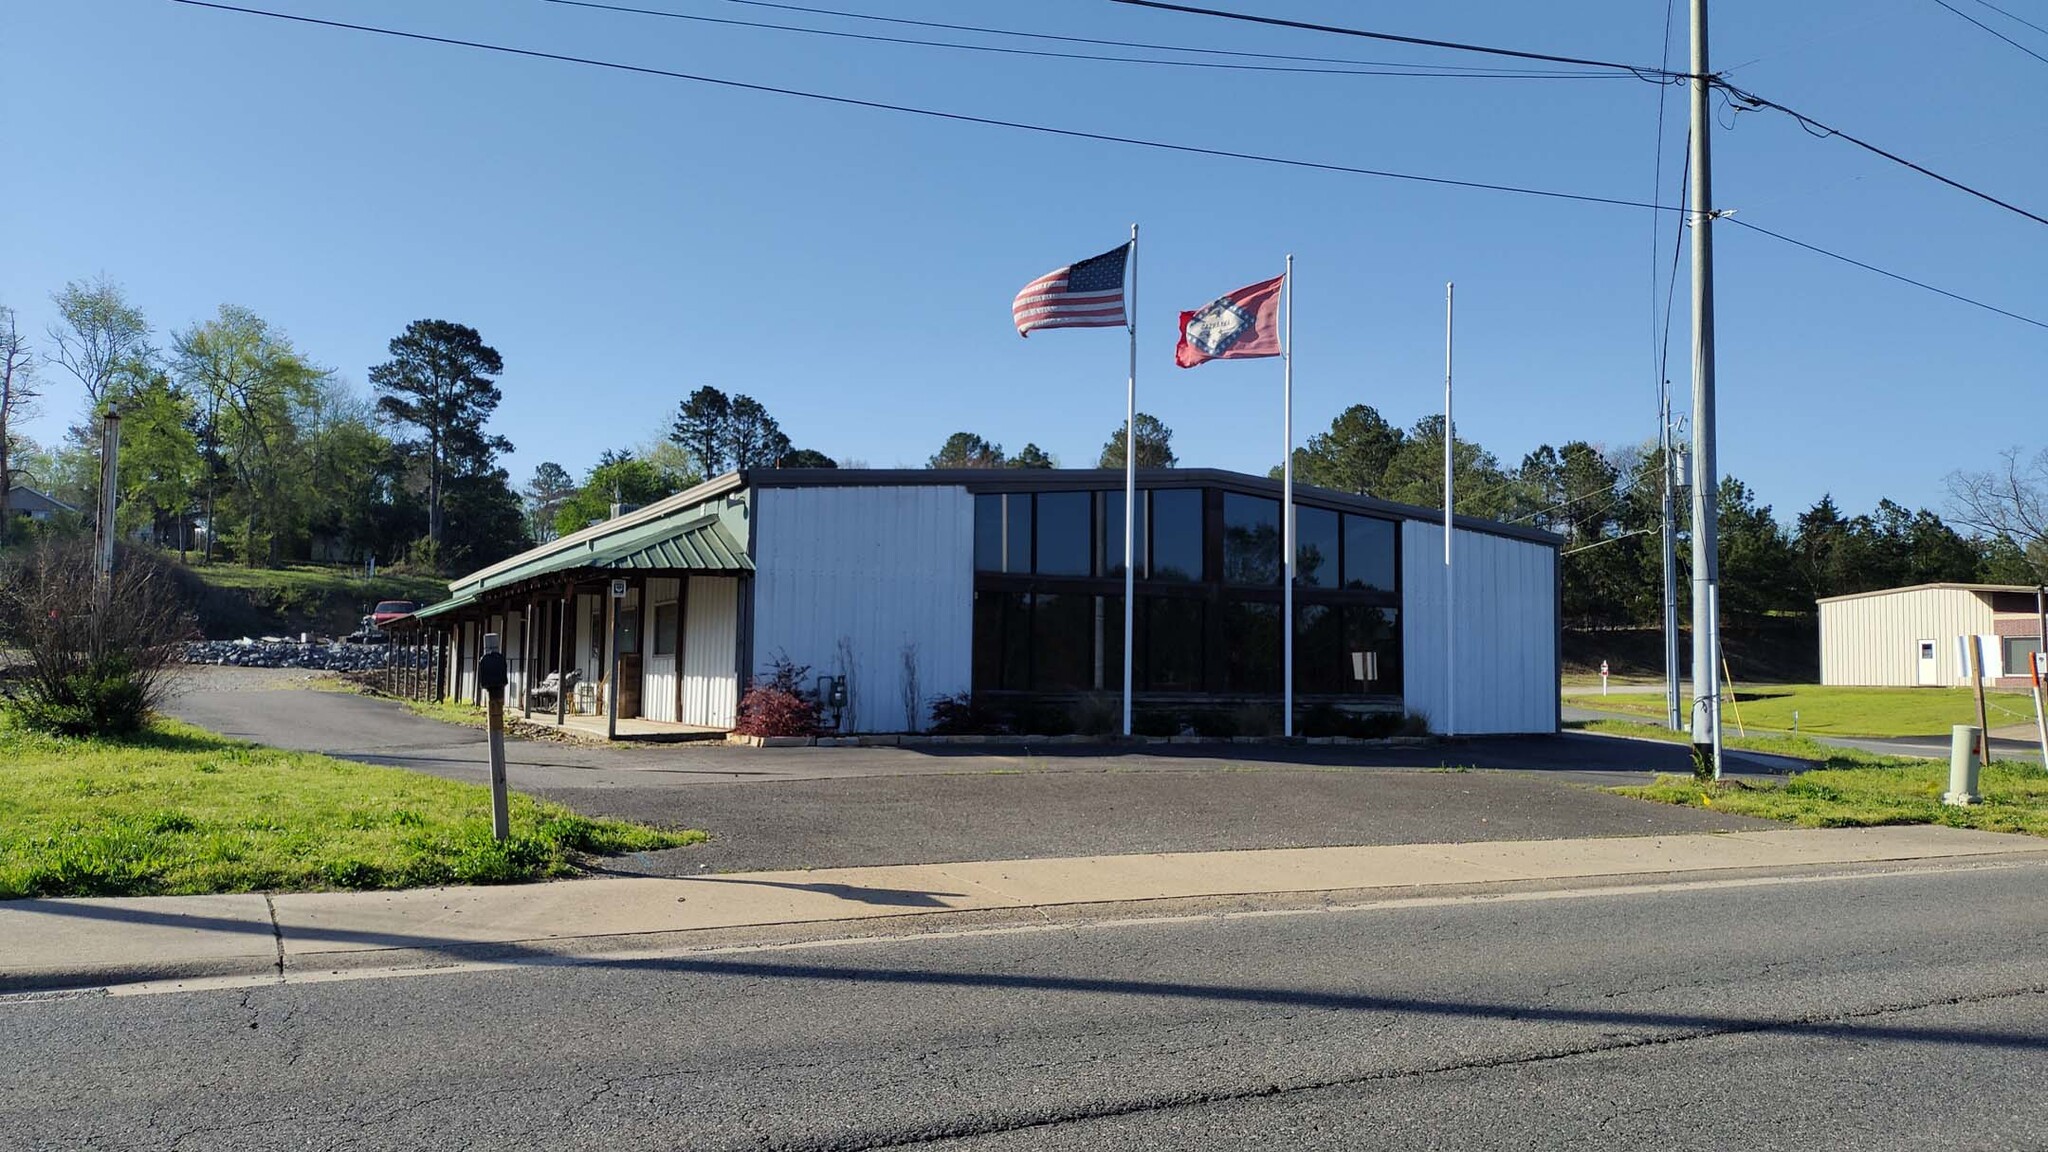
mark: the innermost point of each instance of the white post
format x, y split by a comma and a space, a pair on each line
1450, 595
1287, 506
1131, 482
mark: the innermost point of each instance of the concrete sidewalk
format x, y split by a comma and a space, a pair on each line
95, 942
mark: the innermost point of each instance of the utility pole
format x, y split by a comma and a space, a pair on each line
1706, 563
105, 532
1674, 713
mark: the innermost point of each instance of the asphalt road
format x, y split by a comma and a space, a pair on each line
1877, 1012
771, 808
1933, 747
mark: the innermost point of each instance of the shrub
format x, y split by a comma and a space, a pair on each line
778, 705
92, 669
962, 715
1097, 715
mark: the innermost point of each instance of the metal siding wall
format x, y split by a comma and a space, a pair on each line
880, 567
1871, 640
1506, 633
658, 673
710, 633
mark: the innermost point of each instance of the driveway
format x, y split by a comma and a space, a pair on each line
835, 807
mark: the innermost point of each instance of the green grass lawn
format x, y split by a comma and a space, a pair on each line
1851, 789
1840, 711
183, 811
304, 582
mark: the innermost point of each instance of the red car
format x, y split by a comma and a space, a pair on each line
388, 610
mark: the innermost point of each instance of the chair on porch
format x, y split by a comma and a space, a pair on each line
550, 689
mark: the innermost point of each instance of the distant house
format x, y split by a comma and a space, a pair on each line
32, 504
1902, 637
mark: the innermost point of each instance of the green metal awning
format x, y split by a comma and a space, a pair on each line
701, 544
440, 609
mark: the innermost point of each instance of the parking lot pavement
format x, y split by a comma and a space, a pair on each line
835, 807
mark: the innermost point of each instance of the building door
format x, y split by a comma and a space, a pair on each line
710, 642
1929, 665
664, 633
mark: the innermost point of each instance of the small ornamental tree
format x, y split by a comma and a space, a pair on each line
777, 705
93, 668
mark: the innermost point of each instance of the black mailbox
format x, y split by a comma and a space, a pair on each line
491, 672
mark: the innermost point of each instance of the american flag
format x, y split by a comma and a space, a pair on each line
1087, 294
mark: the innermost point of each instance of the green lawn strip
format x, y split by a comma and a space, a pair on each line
1840, 711
303, 581
182, 811
1852, 789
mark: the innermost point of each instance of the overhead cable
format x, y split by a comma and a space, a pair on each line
931, 113
1994, 31
1388, 69
1881, 272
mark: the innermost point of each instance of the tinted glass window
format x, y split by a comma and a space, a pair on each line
1315, 547
1171, 632
1109, 549
1017, 532
1251, 539
1376, 632
1251, 638
1064, 635
1369, 553
665, 616
988, 640
1176, 535
988, 533
1321, 665
1063, 533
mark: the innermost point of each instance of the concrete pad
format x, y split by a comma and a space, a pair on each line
133, 935
431, 918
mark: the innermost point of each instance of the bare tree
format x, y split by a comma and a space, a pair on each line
98, 335
2008, 501
17, 389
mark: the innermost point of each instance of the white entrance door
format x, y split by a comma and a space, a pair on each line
711, 682
663, 621
1929, 665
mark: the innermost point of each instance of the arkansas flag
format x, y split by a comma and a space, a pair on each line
1238, 325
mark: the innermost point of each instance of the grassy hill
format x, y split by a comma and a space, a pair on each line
235, 601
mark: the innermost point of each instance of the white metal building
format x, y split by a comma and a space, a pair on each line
1006, 586
1903, 637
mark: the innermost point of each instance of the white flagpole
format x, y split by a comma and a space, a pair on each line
1450, 613
1287, 505
1131, 479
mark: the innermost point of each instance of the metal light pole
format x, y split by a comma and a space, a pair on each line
1706, 564
1674, 717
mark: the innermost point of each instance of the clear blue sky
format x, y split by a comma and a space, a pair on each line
624, 239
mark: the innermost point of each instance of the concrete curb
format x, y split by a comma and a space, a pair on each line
74, 944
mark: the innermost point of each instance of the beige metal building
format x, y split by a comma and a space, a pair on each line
1901, 637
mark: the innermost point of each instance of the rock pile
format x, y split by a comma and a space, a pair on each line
280, 652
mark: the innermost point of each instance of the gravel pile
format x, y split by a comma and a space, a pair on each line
279, 652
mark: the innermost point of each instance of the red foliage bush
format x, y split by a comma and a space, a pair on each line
778, 706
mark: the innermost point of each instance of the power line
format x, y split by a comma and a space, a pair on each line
1609, 540
1657, 186
1881, 272
986, 31
1188, 149
1391, 69
1661, 75
2010, 16
1994, 31
935, 114
1640, 70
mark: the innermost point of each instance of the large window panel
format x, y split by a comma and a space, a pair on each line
1251, 639
1369, 553
1171, 633
988, 532
1063, 639
1376, 632
1176, 535
1064, 531
1315, 547
1321, 664
1109, 549
1251, 539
